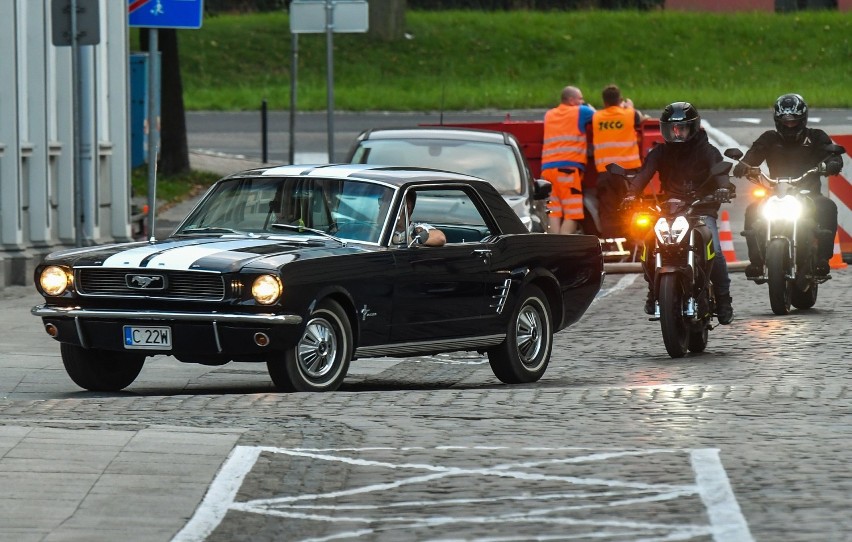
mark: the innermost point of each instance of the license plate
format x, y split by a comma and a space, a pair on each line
148, 337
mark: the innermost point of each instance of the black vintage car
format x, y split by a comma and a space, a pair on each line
306, 268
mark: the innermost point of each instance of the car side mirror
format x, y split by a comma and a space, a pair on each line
542, 189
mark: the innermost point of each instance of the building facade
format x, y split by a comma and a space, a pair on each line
37, 131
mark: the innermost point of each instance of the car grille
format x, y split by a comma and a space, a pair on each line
179, 284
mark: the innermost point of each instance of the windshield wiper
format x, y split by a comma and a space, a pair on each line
297, 228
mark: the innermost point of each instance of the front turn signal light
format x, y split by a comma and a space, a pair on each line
266, 289
642, 221
54, 280
759, 193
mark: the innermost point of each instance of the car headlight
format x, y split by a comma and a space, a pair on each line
54, 280
786, 208
266, 289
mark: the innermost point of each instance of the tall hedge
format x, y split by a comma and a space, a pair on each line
242, 6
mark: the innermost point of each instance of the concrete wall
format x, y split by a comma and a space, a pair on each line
37, 183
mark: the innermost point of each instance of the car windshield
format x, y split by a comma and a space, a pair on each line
345, 209
495, 163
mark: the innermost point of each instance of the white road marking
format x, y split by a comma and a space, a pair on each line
623, 282
546, 508
747, 120
718, 497
220, 495
720, 139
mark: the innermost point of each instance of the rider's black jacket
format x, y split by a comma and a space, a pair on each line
684, 168
792, 159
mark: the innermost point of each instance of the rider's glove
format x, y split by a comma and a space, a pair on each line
723, 194
740, 169
829, 168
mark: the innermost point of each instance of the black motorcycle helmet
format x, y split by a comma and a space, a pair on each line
791, 117
679, 122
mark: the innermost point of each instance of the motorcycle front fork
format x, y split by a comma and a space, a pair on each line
691, 308
791, 272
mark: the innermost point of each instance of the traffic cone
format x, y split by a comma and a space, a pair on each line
726, 239
836, 261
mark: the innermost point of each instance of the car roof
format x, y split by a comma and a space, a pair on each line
437, 132
397, 176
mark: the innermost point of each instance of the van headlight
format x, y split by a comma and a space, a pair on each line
786, 208
54, 280
266, 289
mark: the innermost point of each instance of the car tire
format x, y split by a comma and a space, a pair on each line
100, 370
320, 359
525, 353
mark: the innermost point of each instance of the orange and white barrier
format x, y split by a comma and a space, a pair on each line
840, 190
726, 238
836, 261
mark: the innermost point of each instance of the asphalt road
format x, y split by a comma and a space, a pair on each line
240, 133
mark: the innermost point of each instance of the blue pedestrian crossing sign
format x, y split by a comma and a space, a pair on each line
165, 13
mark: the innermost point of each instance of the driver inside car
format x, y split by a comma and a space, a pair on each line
414, 233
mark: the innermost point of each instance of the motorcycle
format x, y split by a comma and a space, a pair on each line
683, 255
791, 238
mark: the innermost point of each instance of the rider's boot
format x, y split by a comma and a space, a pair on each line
650, 303
724, 310
822, 268
754, 270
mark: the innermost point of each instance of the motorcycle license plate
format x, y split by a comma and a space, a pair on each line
159, 338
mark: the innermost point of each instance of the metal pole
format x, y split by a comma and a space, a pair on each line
78, 193
329, 40
294, 70
87, 143
153, 127
264, 144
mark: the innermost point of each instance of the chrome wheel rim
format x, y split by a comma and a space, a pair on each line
317, 349
529, 335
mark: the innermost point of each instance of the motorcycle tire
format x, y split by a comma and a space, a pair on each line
673, 324
698, 335
777, 266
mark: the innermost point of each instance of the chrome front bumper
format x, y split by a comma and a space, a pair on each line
43, 311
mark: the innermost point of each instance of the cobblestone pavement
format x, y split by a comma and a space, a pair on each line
751, 440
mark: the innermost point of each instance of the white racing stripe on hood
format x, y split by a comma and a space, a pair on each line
180, 257
132, 257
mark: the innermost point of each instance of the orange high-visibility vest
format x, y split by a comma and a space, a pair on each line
614, 137
564, 143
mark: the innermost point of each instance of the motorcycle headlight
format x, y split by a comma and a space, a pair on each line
661, 229
786, 208
679, 228
675, 233
266, 289
54, 280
